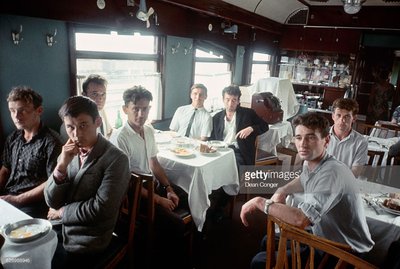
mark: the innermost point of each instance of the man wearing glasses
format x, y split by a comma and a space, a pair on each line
94, 87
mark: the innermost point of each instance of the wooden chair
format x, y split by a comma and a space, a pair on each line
373, 130
264, 157
148, 182
393, 160
121, 245
372, 154
290, 150
295, 236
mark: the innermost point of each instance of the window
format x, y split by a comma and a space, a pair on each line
125, 61
214, 72
261, 66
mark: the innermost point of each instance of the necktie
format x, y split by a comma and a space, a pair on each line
190, 123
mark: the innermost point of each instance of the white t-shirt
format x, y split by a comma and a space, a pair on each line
230, 130
352, 150
201, 126
139, 150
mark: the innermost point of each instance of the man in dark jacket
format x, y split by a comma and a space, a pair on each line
238, 126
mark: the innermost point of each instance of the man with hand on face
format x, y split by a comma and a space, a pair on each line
86, 188
238, 126
30, 154
94, 87
193, 120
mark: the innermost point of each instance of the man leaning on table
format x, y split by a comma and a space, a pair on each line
137, 140
94, 87
332, 207
86, 188
193, 120
238, 126
346, 144
30, 154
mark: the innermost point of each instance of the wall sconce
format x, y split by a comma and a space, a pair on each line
187, 50
352, 6
50, 38
16, 36
230, 29
174, 49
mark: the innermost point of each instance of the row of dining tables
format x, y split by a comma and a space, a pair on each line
198, 174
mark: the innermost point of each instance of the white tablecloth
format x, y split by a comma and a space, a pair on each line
279, 133
36, 254
281, 88
199, 176
384, 227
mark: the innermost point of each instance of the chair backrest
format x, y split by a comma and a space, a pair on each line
292, 236
264, 157
374, 153
125, 226
393, 160
374, 130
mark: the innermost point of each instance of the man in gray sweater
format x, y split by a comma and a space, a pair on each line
87, 186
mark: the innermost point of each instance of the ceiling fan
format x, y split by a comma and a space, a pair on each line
143, 14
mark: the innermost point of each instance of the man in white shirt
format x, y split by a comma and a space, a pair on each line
94, 87
346, 144
136, 139
193, 120
332, 207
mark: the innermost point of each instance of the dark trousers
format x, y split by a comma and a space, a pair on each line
63, 259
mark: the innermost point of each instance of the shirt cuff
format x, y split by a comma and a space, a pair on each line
59, 177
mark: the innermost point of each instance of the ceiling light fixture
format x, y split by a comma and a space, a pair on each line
352, 6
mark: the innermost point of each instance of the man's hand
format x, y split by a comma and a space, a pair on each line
69, 151
279, 198
244, 133
250, 207
171, 195
54, 214
11, 199
166, 203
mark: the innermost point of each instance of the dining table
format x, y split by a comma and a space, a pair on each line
383, 224
35, 254
198, 174
381, 144
278, 133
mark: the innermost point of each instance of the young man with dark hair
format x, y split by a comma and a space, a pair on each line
30, 154
238, 126
330, 193
137, 140
193, 120
346, 144
87, 186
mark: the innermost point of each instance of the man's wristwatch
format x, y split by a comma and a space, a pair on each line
268, 202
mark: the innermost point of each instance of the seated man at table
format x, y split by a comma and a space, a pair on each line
87, 186
30, 154
396, 116
332, 207
238, 126
137, 140
94, 87
193, 120
346, 144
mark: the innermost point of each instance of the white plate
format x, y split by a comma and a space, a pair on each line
162, 138
217, 144
26, 230
210, 154
182, 152
389, 210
